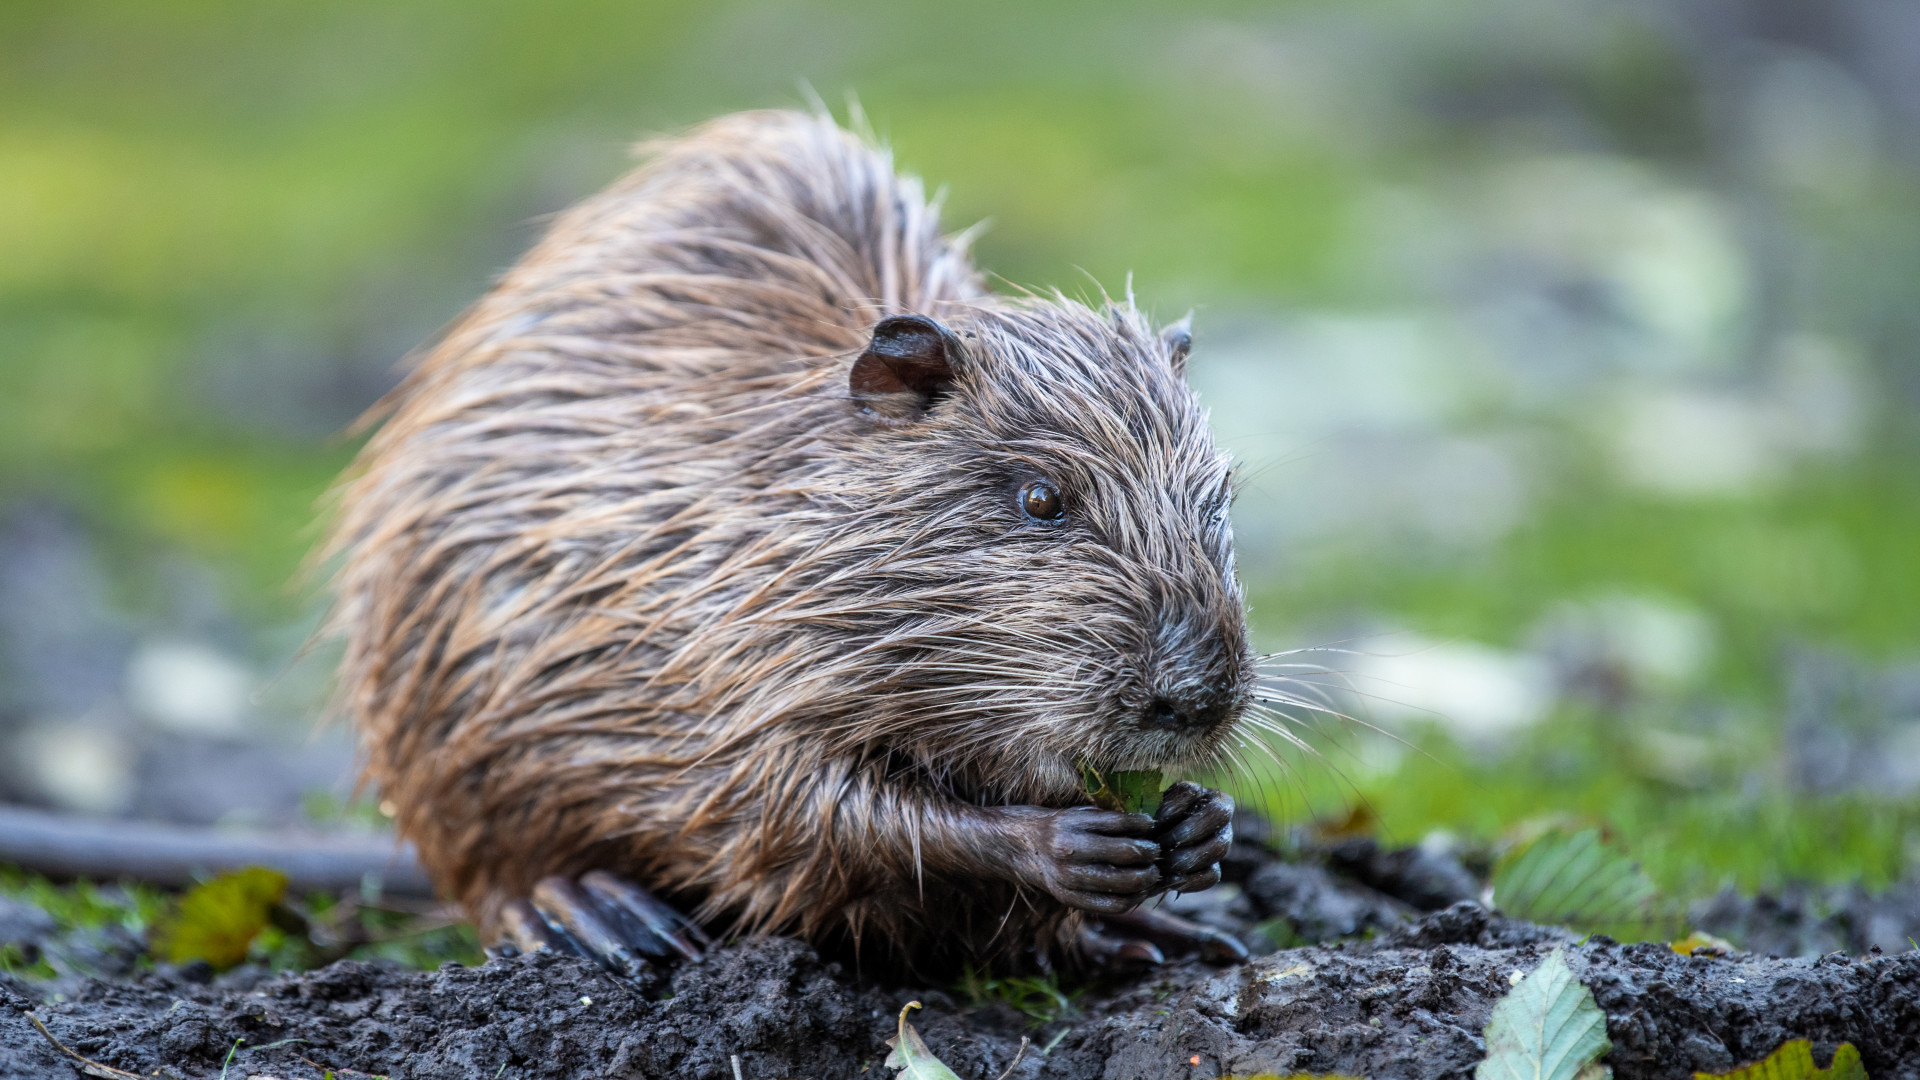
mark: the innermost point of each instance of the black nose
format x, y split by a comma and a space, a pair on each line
1195, 709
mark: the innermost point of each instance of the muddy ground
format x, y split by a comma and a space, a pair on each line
1410, 1004
1404, 990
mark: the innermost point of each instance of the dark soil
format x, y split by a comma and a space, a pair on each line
1411, 1004
1406, 994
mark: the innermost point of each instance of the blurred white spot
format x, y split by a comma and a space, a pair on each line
1678, 269
1340, 425
1463, 491
1691, 443
1317, 376
1664, 257
1440, 843
1649, 642
79, 766
1817, 394
1677, 757
1476, 691
188, 687
1900, 765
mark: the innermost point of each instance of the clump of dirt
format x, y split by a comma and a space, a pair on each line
1803, 920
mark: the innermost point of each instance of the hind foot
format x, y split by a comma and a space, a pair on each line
1146, 937
603, 918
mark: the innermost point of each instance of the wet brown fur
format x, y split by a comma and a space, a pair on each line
630, 581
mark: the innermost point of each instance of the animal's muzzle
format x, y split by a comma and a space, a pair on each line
1194, 706
1199, 671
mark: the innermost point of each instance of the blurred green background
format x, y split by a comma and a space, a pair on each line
1569, 347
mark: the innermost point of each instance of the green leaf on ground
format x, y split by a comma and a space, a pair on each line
1576, 879
1132, 791
1547, 1028
1794, 1061
217, 920
911, 1056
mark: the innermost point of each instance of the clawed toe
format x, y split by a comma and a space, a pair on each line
602, 918
646, 915
1177, 935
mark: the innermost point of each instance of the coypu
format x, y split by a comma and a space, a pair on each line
740, 548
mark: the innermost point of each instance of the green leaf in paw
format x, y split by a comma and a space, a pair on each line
1131, 791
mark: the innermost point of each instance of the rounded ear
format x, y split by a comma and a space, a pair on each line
907, 366
1178, 338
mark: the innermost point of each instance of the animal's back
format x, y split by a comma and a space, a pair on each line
651, 362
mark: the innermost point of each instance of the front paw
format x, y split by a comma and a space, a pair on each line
1098, 860
1194, 828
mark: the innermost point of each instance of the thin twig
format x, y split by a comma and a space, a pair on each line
1017, 1054
87, 1064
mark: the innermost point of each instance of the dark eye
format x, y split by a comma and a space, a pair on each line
1040, 501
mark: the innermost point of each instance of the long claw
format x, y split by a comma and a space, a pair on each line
645, 912
561, 901
601, 918
527, 931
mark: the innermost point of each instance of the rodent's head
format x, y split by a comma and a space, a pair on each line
1048, 575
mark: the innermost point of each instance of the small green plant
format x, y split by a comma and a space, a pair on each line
78, 910
284, 932
24, 961
84, 905
416, 940
1038, 996
1283, 933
